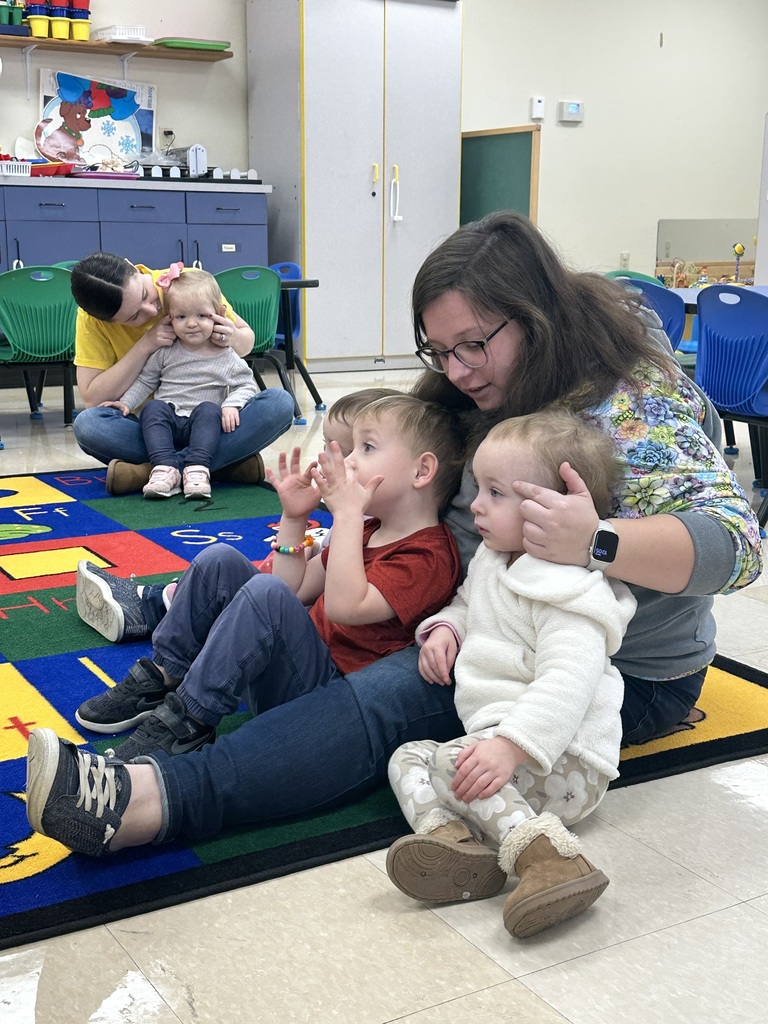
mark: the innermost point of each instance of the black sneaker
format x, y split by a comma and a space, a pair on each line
75, 797
109, 604
169, 728
126, 704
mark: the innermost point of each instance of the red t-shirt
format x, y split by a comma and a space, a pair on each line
416, 576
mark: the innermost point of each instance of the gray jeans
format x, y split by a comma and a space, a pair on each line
421, 773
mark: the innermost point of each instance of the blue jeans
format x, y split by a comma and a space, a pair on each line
166, 434
106, 434
236, 635
653, 708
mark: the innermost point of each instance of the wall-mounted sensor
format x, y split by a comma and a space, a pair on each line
537, 108
570, 110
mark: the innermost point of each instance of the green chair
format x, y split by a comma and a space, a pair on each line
254, 293
634, 274
37, 321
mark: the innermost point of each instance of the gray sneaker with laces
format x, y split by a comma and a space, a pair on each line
109, 604
73, 796
126, 704
169, 728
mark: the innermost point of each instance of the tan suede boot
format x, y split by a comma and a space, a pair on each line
126, 477
249, 471
444, 865
556, 881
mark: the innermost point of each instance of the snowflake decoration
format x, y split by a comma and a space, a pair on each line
108, 128
127, 146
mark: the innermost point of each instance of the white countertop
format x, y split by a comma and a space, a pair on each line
148, 184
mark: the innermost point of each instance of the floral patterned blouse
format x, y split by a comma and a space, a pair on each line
670, 465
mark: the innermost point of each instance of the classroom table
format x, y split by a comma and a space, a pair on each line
691, 295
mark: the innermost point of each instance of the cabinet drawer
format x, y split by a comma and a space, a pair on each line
138, 205
226, 208
46, 203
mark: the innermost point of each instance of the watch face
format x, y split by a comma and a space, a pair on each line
605, 547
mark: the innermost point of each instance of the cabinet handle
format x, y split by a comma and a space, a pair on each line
196, 262
18, 263
181, 249
51, 204
142, 206
394, 194
228, 209
374, 174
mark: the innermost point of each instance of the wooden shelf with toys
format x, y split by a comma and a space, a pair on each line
689, 274
113, 49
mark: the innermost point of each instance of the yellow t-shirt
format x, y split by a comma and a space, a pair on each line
100, 344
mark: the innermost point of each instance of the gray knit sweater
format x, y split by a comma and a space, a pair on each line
184, 379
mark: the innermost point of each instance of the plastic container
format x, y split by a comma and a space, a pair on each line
58, 11
120, 34
38, 25
59, 28
15, 14
80, 5
4, 13
80, 29
76, 14
16, 168
37, 9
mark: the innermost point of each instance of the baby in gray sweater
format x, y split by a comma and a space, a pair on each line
199, 387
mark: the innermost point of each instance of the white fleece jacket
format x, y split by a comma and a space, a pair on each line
534, 665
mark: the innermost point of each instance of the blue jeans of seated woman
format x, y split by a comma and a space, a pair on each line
106, 434
166, 434
329, 745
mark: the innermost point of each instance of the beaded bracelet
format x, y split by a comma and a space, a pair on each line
306, 543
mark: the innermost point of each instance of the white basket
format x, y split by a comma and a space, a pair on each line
15, 168
120, 34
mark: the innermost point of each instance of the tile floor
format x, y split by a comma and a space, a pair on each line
680, 935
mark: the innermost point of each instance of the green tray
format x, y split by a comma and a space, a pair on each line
193, 44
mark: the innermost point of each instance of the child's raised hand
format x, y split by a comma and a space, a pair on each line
483, 768
437, 656
124, 409
338, 484
297, 494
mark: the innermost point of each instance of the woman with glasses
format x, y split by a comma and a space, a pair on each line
504, 329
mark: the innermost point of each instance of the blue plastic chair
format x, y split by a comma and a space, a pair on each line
289, 272
669, 306
732, 365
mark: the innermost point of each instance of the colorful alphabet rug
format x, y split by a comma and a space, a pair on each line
50, 662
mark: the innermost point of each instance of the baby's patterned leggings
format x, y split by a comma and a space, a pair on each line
421, 774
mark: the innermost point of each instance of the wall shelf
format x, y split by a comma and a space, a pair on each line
112, 49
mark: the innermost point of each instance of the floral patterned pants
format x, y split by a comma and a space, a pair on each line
421, 774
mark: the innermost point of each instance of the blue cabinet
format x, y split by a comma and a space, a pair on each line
145, 227
44, 224
48, 225
226, 230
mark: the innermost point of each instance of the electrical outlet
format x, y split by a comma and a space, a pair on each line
624, 261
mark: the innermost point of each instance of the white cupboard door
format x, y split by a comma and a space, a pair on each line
422, 142
343, 70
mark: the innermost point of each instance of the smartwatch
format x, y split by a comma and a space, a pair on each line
604, 545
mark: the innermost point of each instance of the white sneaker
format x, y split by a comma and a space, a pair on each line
197, 482
164, 482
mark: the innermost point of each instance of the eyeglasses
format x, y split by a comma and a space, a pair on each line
469, 353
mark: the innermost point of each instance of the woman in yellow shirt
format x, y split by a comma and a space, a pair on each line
122, 320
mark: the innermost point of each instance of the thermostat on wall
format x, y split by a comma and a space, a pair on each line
570, 110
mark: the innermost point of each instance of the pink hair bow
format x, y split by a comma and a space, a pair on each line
174, 271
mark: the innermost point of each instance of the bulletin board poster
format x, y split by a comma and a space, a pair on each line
89, 121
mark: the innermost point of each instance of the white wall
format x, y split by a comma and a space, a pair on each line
669, 132
201, 102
